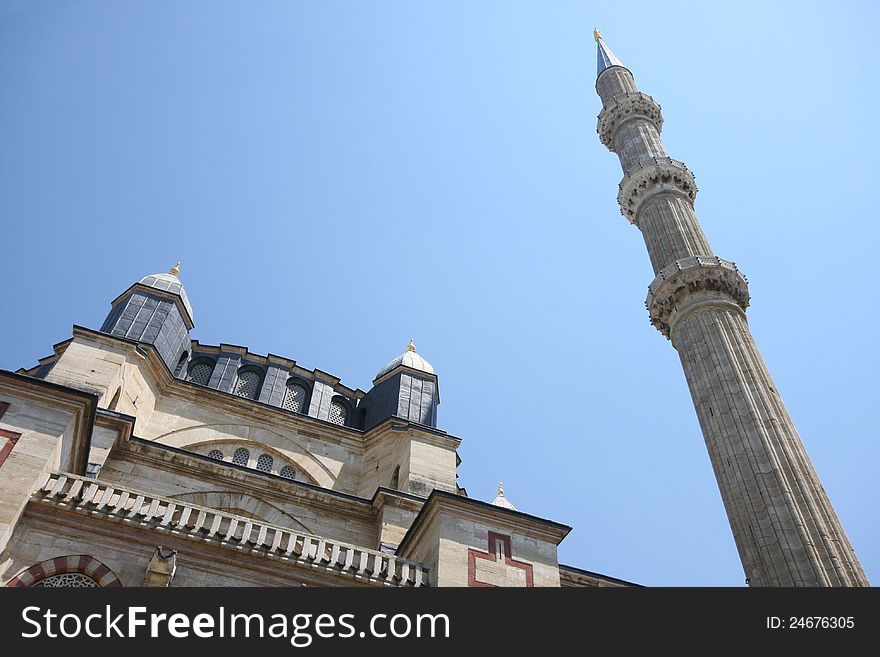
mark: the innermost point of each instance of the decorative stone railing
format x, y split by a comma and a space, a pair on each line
697, 278
662, 175
623, 108
228, 530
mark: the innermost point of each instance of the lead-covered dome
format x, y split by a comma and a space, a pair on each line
169, 283
408, 358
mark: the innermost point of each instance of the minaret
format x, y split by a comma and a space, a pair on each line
785, 528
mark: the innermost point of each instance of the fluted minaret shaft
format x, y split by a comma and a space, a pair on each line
785, 528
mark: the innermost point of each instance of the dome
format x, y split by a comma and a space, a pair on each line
502, 501
169, 283
408, 358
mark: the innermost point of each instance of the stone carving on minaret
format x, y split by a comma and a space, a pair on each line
662, 175
624, 108
786, 531
688, 281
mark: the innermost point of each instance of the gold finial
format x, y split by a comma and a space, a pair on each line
412, 345
175, 269
597, 35
500, 489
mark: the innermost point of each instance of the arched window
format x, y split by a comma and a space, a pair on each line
200, 372
180, 364
215, 454
338, 411
288, 472
241, 456
248, 384
294, 397
264, 463
395, 478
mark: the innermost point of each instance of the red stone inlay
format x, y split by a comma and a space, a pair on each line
7, 438
78, 563
492, 555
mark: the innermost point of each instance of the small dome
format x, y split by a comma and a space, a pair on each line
169, 283
502, 501
408, 358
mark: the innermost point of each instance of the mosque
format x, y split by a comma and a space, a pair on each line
134, 455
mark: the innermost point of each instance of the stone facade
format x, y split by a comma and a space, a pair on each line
129, 462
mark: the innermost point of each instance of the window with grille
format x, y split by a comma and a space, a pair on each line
294, 398
248, 384
216, 454
288, 472
338, 412
241, 456
264, 463
200, 373
74, 580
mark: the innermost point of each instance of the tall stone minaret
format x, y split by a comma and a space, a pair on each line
784, 525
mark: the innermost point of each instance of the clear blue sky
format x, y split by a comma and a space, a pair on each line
338, 177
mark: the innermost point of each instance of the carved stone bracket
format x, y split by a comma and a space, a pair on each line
623, 108
161, 569
695, 279
661, 176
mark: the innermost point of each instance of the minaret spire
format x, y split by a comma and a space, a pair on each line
785, 528
606, 58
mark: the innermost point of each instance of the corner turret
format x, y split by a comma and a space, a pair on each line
155, 310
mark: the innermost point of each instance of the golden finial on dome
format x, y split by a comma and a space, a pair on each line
412, 345
500, 489
175, 269
597, 35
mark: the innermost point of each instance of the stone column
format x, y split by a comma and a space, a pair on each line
785, 528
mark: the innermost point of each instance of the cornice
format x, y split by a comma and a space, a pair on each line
482, 512
81, 404
247, 409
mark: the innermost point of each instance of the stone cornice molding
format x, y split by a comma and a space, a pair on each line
156, 372
480, 512
624, 108
395, 425
661, 176
679, 288
82, 405
233, 477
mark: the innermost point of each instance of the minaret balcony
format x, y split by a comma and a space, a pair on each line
623, 108
662, 175
680, 288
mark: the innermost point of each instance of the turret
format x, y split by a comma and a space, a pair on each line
406, 388
155, 310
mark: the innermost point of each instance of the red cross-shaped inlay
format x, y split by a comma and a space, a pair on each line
498, 565
7, 438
